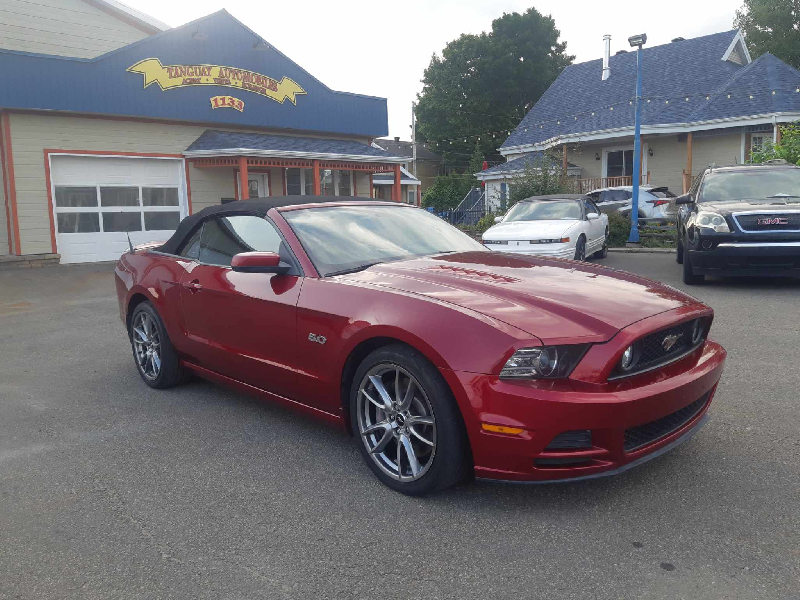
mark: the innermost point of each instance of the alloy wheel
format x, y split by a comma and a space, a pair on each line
146, 345
396, 422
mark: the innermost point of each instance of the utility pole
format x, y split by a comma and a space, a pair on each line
637, 41
413, 140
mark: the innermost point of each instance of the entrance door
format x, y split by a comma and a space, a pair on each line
257, 185
242, 325
99, 201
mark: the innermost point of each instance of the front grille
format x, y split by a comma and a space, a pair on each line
768, 221
571, 440
654, 350
642, 435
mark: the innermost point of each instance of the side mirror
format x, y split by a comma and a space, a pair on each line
498, 219
259, 262
592, 216
684, 199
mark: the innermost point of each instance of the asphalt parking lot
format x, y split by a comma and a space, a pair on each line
109, 489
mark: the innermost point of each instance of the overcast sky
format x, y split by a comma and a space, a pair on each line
381, 49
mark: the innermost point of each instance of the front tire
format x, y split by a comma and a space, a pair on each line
679, 252
689, 278
408, 426
580, 249
603, 252
155, 356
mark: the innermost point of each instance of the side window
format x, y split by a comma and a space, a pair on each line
587, 208
592, 207
225, 237
191, 249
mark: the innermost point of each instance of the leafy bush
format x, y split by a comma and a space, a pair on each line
619, 230
447, 192
788, 149
481, 226
539, 178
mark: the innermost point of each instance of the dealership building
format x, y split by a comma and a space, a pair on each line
113, 124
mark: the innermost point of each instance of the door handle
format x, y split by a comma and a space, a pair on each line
193, 286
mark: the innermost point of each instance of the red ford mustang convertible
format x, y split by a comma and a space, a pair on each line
442, 358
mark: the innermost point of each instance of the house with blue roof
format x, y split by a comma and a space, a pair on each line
705, 101
113, 124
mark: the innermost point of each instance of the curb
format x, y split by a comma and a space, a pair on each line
643, 250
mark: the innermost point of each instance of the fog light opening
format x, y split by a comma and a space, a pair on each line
707, 244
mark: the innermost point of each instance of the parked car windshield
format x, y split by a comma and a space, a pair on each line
544, 210
730, 186
349, 238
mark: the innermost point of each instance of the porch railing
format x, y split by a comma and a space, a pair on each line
584, 186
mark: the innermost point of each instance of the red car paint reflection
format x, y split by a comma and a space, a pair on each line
467, 313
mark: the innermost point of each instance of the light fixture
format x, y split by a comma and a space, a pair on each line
199, 35
261, 45
597, 156
637, 40
649, 152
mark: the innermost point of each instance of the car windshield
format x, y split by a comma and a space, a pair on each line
754, 184
341, 239
544, 210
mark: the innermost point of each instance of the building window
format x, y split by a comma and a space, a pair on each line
299, 182
619, 163
411, 195
757, 143
345, 187
105, 209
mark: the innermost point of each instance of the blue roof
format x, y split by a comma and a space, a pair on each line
213, 141
533, 159
104, 85
578, 101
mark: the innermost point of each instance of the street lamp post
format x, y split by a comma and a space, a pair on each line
637, 41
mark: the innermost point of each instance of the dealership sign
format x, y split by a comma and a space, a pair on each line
177, 76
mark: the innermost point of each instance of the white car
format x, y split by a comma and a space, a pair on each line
654, 202
561, 226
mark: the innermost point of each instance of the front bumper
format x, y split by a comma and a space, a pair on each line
665, 405
746, 258
547, 250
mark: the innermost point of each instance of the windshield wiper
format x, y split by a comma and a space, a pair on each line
363, 267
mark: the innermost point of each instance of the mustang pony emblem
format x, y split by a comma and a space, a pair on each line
669, 342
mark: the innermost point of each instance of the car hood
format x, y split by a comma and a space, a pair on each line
768, 205
558, 301
523, 230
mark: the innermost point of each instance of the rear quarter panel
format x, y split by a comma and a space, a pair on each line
157, 278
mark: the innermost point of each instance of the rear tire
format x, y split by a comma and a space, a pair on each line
689, 278
415, 444
153, 353
580, 249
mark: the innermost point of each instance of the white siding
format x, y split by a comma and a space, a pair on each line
583, 156
667, 163
362, 184
31, 134
62, 27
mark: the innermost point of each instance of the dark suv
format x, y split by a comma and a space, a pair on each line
742, 220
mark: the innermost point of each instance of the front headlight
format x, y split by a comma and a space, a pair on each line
547, 362
712, 220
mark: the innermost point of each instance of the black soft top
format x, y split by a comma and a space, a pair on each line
254, 206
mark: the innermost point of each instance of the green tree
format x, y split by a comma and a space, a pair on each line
484, 84
540, 178
771, 26
788, 149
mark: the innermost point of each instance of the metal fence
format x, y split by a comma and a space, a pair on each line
469, 211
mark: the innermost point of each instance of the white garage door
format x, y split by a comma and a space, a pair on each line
99, 201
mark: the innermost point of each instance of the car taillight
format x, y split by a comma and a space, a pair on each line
658, 202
